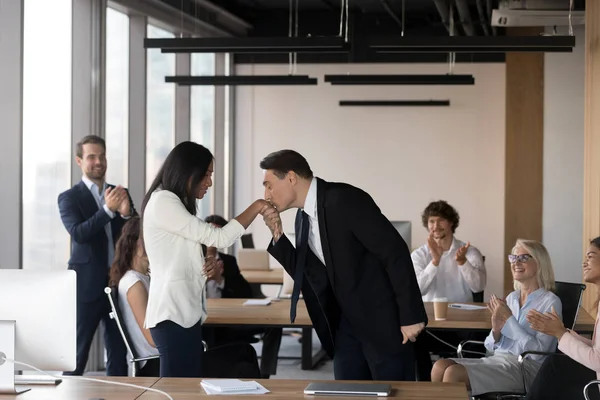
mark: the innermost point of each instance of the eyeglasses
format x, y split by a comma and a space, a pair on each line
523, 258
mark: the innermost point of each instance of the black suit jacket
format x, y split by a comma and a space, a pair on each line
369, 275
85, 222
236, 286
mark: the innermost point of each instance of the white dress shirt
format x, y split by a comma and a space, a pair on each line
448, 279
310, 208
173, 240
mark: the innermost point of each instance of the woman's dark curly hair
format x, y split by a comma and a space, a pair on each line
441, 209
125, 250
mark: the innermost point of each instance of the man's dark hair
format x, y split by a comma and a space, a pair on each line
284, 161
441, 209
89, 139
215, 219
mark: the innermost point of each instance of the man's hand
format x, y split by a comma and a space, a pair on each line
410, 332
435, 249
113, 197
461, 254
212, 268
273, 221
125, 206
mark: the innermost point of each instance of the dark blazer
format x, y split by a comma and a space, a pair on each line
85, 222
369, 276
236, 286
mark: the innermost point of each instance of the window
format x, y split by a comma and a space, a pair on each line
46, 131
160, 108
202, 114
117, 96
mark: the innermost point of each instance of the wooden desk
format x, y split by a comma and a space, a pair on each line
480, 320
189, 388
264, 277
224, 312
84, 390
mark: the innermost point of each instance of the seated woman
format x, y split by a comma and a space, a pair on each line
565, 377
129, 271
511, 335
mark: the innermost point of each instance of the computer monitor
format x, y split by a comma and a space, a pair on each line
38, 313
405, 230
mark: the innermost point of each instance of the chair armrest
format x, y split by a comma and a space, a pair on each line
587, 387
524, 355
144, 358
460, 349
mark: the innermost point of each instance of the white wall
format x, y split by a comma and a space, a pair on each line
404, 157
563, 159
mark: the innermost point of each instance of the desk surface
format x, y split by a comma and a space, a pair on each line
71, 389
480, 319
189, 388
266, 277
232, 312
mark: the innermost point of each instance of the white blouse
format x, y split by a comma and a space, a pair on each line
173, 239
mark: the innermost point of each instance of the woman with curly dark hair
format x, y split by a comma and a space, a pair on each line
129, 271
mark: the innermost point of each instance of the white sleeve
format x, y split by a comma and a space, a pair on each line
166, 212
424, 269
473, 270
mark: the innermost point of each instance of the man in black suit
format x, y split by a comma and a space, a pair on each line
94, 213
353, 268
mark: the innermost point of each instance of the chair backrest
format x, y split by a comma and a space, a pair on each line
570, 295
287, 287
247, 241
113, 297
478, 297
253, 259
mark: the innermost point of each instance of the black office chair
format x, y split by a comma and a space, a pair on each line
586, 389
570, 295
247, 241
113, 297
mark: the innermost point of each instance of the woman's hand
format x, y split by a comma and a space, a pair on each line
548, 323
500, 314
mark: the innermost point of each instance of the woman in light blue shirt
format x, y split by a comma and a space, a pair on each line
511, 334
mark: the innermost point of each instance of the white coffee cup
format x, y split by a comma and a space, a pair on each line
440, 308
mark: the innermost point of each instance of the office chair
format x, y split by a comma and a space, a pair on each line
587, 388
113, 297
247, 241
570, 295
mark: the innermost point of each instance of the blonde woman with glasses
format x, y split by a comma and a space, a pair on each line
511, 334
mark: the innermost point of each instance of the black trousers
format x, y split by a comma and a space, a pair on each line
181, 349
562, 378
89, 316
357, 360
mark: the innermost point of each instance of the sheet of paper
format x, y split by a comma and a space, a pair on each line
257, 302
470, 307
239, 390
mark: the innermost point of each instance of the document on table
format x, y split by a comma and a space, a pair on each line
257, 302
232, 387
470, 307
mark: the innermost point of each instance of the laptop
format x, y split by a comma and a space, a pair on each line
348, 389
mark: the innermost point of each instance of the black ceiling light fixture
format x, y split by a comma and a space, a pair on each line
394, 103
448, 79
472, 44
254, 45
240, 80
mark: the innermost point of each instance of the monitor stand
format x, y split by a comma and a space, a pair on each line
7, 350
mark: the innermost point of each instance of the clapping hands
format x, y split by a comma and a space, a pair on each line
117, 199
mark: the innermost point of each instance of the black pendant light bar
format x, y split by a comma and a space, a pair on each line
237, 80
400, 79
394, 103
471, 44
249, 45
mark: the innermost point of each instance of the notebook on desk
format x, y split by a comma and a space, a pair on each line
348, 389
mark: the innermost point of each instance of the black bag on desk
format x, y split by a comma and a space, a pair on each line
237, 360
